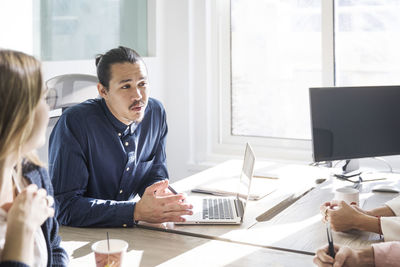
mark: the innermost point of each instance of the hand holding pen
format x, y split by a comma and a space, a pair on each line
172, 190
158, 204
325, 256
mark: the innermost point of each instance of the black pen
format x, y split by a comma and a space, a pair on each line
331, 248
172, 190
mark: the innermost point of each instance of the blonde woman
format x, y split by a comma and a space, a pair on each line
28, 229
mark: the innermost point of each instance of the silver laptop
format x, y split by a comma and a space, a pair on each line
224, 210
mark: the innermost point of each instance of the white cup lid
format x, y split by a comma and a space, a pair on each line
347, 190
116, 245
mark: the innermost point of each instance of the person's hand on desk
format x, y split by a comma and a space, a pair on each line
343, 217
156, 206
345, 256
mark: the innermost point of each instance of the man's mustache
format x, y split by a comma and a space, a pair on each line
136, 104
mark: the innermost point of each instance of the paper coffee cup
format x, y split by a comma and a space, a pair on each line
111, 257
348, 194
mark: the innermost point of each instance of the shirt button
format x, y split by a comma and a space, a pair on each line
124, 225
119, 134
120, 191
126, 143
127, 169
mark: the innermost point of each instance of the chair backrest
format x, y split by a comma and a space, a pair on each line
65, 91
69, 89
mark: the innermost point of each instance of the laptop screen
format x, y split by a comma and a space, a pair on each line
246, 175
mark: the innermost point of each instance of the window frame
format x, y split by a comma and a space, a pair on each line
223, 142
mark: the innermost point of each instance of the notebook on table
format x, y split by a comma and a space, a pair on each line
224, 210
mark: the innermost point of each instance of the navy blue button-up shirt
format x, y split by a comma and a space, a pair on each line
98, 164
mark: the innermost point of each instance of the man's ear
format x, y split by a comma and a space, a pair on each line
102, 90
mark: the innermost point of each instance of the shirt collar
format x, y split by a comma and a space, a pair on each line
120, 127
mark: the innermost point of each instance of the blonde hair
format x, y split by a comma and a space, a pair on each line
20, 92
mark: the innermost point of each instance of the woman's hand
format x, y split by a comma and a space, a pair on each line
345, 256
26, 214
30, 208
342, 216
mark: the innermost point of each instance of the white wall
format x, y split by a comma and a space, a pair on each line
14, 32
183, 51
173, 40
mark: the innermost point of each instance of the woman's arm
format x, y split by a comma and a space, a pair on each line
19, 244
28, 211
384, 211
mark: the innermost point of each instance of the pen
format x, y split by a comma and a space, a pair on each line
331, 249
172, 190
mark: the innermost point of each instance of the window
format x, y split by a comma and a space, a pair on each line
367, 42
276, 56
278, 51
58, 30
80, 29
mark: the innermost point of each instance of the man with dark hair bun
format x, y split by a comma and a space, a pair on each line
103, 152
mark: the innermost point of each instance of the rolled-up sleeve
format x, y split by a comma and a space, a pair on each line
394, 205
387, 254
391, 225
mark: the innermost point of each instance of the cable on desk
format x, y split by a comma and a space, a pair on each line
384, 161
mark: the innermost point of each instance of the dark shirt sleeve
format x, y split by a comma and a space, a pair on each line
58, 254
158, 169
70, 176
12, 264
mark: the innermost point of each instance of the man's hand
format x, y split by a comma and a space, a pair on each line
341, 216
164, 192
345, 256
156, 207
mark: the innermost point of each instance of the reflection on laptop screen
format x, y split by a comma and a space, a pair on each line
246, 175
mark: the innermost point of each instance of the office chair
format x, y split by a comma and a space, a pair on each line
65, 91
70, 89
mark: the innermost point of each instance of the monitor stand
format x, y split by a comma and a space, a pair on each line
351, 165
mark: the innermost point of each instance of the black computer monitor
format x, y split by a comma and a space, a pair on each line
355, 122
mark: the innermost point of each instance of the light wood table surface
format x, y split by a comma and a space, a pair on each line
155, 248
285, 187
298, 228
231, 169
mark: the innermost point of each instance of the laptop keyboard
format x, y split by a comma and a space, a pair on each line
217, 208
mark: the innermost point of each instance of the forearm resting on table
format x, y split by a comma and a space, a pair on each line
368, 223
384, 211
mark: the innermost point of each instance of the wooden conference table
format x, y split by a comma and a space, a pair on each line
155, 248
288, 239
